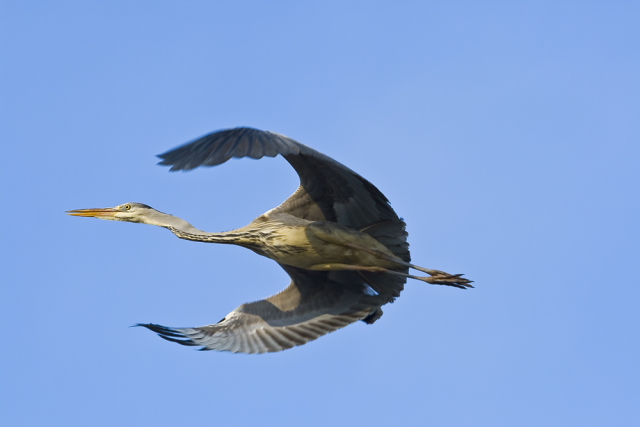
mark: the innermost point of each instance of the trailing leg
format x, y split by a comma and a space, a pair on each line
443, 279
438, 277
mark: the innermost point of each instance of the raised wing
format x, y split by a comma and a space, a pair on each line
314, 304
329, 191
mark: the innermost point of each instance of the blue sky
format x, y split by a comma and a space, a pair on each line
505, 133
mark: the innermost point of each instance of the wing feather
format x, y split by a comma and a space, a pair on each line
317, 303
329, 191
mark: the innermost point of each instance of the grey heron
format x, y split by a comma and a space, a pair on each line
337, 237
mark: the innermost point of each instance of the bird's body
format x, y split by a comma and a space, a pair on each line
297, 242
336, 236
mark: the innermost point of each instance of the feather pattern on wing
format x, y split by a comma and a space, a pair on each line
328, 191
315, 304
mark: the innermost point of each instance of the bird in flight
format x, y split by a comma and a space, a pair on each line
337, 237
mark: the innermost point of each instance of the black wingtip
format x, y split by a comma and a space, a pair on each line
182, 342
166, 161
168, 334
146, 325
162, 162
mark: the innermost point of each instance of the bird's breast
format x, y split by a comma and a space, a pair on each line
287, 245
300, 246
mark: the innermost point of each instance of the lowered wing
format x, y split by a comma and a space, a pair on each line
314, 304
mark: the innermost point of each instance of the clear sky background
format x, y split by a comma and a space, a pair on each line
505, 133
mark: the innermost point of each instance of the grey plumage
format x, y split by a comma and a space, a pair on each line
334, 211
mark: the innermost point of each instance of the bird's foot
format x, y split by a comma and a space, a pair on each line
442, 278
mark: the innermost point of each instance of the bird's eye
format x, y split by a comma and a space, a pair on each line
127, 207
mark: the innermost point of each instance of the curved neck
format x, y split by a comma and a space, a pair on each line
235, 237
184, 230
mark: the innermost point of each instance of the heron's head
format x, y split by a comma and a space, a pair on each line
129, 212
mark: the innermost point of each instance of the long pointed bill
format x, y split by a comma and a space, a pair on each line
96, 213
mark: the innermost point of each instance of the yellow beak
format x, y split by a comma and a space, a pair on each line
97, 213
